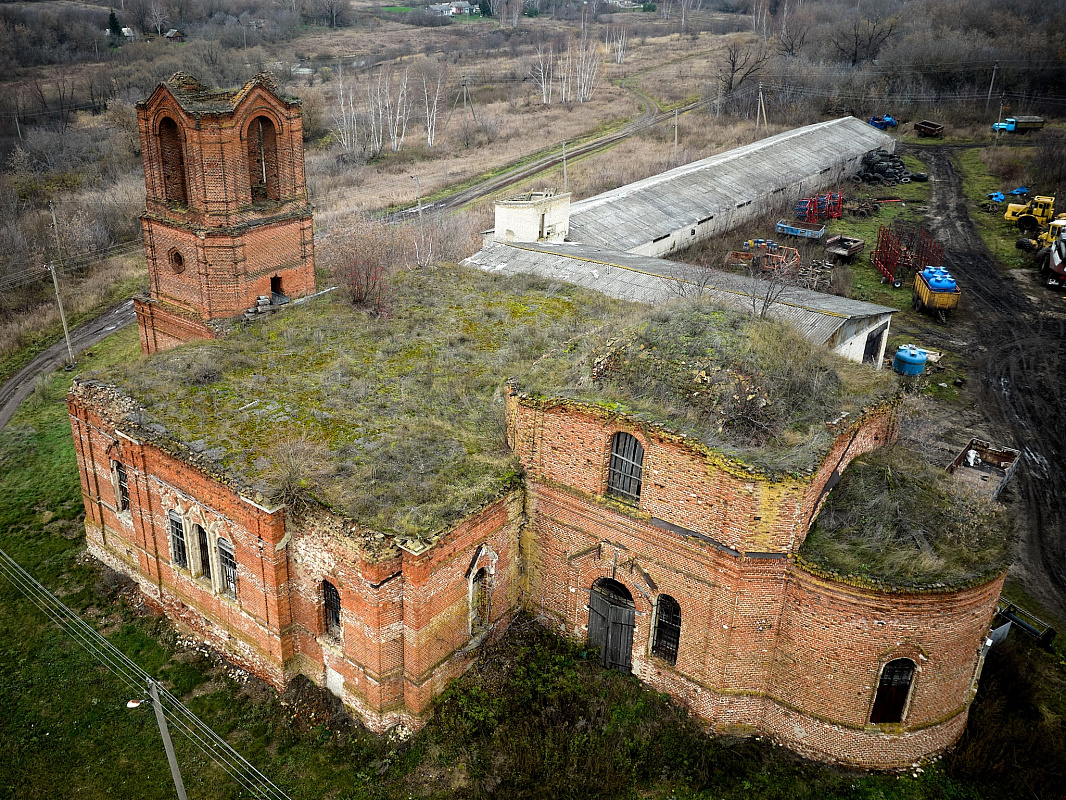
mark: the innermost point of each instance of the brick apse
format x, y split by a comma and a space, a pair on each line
684, 572
226, 216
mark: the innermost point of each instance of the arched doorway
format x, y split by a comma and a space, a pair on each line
611, 619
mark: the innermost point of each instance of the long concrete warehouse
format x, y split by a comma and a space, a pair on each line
675, 209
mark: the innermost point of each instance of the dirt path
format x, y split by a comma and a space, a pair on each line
1018, 350
85, 335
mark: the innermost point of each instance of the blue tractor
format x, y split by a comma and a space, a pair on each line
883, 123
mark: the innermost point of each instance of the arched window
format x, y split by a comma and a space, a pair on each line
892, 691
180, 556
667, 628
122, 486
262, 143
331, 600
626, 468
228, 565
172, 159
205, 551
479, 601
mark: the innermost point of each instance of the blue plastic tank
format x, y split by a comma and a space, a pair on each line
910, 360
942, 282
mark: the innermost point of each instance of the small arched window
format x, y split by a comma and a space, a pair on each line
667, 628
626, 469
179, 553
262, 141
228, 565
172, 160
479, 601
892, 691
331, 600
205, 551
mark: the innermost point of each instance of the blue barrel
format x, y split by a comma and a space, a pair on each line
910, 360
942, 283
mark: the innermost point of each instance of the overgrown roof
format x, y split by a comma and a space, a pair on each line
895, 519
398, 421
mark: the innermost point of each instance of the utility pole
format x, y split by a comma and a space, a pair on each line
760, 110
1000, 118
55, 282
564, 162
718, 102
991, 84
164, 731
675, 137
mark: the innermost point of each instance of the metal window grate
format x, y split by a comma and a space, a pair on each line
331, 598
479, 601
123, 486
667, 629
627, 467
892, 690
205, 552
177, 541
228, 564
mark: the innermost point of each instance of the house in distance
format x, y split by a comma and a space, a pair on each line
364, 501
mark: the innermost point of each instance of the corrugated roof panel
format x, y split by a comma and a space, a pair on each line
634, 215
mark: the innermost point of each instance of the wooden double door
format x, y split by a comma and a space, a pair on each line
611, 619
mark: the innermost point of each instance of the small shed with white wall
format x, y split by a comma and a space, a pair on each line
533, 217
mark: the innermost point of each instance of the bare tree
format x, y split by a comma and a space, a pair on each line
615, 44
157, 17
760, 18
742, 62
588, 68
434, 77
345, 118
792, 35
860, 39
541, 70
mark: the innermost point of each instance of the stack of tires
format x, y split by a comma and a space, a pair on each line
882, 168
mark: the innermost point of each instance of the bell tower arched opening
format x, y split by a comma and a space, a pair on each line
262, 142
172, 161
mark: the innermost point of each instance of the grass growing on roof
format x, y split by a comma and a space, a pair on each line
896, 518
750, 387
398, 422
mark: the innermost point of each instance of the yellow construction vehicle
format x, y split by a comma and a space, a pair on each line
1031, 216
1045, 238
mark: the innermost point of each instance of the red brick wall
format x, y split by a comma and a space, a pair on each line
766, 646
230, 246
405, 612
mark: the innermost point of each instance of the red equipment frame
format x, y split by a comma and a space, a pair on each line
903, 250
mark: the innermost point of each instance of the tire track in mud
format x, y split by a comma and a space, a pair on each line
1019, 354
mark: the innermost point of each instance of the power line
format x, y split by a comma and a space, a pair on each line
198, 732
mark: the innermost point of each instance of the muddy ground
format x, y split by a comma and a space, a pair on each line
1011, 332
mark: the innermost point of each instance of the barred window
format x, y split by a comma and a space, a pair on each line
177, 541
331, 599
228, 565
626, 468
205, 551
667, 628
479, 601
892, 691
123, 484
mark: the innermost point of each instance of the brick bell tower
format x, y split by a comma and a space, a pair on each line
227, 223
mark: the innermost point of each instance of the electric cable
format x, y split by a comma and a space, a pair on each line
197, 731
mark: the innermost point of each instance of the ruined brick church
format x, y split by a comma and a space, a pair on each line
676, 561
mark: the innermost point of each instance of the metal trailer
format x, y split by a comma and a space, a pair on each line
844, 248
799, 229
903, 250
940, 303
984, 467
928, 128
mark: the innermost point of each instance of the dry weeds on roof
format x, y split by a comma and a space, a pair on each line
396, 422
750, 387
897, 519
